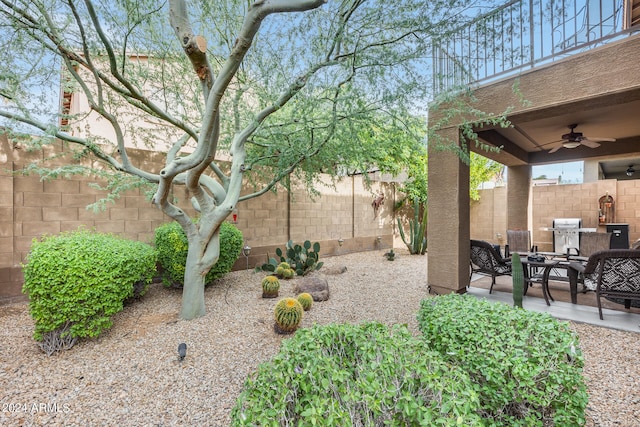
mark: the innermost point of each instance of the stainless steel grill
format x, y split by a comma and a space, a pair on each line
566, 234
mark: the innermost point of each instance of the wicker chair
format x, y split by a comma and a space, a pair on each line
486, 260
591, 243
519, 240
614, 274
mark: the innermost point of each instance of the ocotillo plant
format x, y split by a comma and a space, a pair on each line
417, 243
517, 277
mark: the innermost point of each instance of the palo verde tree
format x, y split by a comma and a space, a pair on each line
230, 91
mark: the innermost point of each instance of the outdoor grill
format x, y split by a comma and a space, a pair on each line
566, 234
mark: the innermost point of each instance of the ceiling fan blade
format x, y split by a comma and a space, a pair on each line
597, 139
590, 143
546, 144
556, 148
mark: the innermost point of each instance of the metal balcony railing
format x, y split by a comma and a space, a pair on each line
523, 34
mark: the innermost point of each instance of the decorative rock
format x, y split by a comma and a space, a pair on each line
317, 286
334, 270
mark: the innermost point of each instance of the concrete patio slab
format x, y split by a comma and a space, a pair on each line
614, 319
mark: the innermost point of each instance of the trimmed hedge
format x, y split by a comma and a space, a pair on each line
172, 247
525, 366
77, 280
348, 375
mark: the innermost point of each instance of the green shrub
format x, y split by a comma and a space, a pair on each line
526, 366
76, 281
348, 375
172, 246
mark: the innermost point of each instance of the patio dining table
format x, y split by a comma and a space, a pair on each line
543, 271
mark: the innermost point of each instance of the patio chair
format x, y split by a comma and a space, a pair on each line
519, 240
486, 260
591, 243
613, 274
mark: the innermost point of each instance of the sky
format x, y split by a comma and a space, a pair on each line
570, 172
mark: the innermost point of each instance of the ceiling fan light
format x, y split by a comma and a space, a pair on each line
571, 144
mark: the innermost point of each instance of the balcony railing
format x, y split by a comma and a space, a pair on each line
523, 34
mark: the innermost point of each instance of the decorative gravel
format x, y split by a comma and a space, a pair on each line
131, 376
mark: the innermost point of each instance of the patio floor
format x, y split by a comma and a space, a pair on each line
586, 311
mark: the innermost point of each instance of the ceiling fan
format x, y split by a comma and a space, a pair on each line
575, 139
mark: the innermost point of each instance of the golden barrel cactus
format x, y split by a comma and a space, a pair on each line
270, 287
287, 315
306, 300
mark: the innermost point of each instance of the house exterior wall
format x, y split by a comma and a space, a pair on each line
580, 82
31, 208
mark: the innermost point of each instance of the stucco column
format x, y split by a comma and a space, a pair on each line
518, 196
448, 219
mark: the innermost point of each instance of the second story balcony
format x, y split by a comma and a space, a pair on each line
523, 34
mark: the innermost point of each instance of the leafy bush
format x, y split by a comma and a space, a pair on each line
77, 280
347, 375
526, 366
303, 259
172, 246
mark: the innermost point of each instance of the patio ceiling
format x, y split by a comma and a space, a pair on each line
612, 116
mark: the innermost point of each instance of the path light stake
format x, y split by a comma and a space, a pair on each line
246, 251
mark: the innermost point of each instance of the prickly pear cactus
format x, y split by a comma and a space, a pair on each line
287, 315
270, 287
306, 300
517, 277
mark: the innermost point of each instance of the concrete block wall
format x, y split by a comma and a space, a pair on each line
31, 208
343, 212
9, 277
561, 201
628, 207
264, 220
488, 216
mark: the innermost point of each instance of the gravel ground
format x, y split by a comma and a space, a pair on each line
130, 376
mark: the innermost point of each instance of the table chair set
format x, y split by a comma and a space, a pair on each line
613, 274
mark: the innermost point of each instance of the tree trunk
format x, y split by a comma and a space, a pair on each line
193, 289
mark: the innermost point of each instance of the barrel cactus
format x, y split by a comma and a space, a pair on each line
287, 314
284, 270
270, 287
306, 300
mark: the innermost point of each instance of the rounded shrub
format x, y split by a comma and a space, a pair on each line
287, 315
77, 280
526, 366
270, 287
356, 375
306, 300
172, 246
